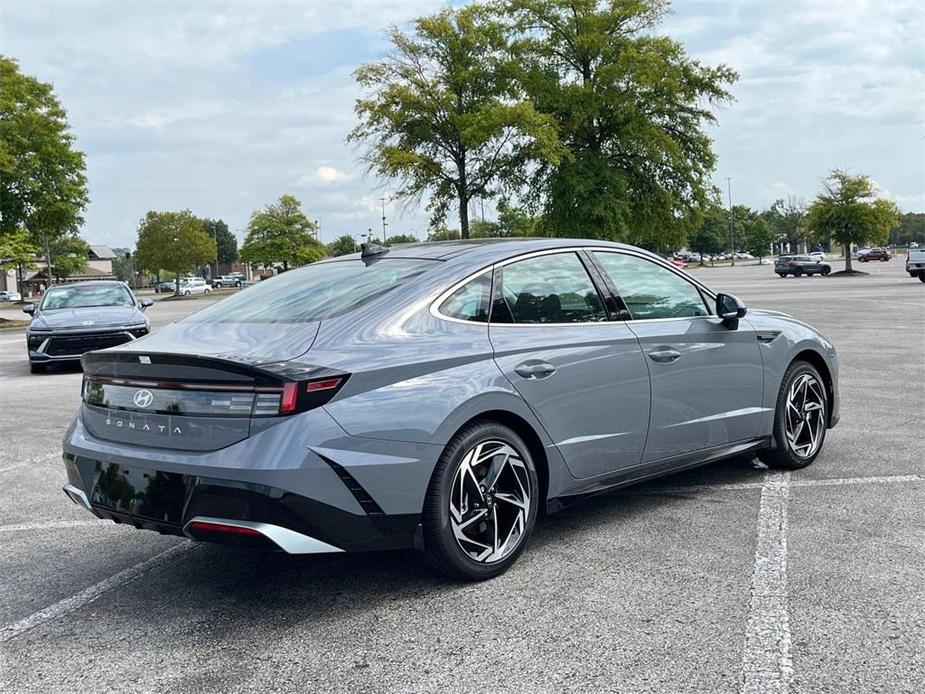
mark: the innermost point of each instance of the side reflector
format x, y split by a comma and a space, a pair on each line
220, 528
290, 398
326, 384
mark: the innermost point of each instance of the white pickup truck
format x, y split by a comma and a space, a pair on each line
915, 263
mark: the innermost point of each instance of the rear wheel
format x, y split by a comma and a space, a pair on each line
481, 504
825, 272
800, 419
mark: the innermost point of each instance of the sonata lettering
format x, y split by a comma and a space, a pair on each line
160, 428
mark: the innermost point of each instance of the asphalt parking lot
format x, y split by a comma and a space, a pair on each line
723, 579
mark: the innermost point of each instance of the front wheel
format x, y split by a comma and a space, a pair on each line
481, 504
800, 418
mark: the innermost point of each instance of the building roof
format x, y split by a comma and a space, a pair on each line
101, 253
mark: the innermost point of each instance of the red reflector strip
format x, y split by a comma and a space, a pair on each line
221, 528
326, 384
290, 397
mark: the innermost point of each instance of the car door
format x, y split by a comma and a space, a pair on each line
582, 373
707, 379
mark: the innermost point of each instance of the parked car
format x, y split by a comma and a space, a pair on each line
677, 262
227, 281
915, 263
439, 396
818, 256
75, 318
9, 295
881, 254
798, 265
194, 285
744, 256
165, 287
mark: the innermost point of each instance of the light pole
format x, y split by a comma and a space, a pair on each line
382, 200
732, 242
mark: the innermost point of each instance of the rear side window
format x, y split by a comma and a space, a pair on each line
469, 302
547, 289
651, 291
314, 292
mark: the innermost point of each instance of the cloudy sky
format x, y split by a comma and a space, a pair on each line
222, 107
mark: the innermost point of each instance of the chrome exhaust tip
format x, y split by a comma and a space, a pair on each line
77, 496
287, 540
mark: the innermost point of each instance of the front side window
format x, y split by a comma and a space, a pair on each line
86, 296
649, 290
469, 302
313, 292
547, 289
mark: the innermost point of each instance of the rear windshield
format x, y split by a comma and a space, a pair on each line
86, 296
312, 293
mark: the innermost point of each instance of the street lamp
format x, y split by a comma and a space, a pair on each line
732, 242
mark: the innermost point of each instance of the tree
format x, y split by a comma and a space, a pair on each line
630, 108
515, 221
483, 229
224, 239
43, 187
281, 233
911, 228
400, 238
174, 241
712, 233
443, 234
848, 211
123, 265
342, 245
757, 236
18, 253
69, 255
445, 116
788, 221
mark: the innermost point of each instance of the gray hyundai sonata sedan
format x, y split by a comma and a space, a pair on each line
439, 396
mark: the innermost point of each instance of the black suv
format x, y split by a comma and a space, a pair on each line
797, 265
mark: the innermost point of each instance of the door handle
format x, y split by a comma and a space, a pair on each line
535, 369
665, 355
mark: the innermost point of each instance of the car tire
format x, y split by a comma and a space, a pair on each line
206, 291
37, 368
485, 449
186, 293
922, 277
782, 274
798, 272
825, 273
797, 445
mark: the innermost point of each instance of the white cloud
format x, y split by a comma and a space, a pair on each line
326, 175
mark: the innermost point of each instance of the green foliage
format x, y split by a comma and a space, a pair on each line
787, 220
400, 238
911, 228
123, 265
174, 241
443, 234
483, 229
281, 233
224, 239
630, 108
444, 114
757, 236
515, 221
342, 245
69, 255
848, 211
17, 251
43, 188
712, 235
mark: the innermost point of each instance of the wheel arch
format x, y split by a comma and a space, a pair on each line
813, 357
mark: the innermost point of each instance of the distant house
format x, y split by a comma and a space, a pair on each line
101, 258
99, 267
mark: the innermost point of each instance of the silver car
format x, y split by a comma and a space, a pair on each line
439, 396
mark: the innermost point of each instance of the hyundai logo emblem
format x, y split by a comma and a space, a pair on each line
143, 398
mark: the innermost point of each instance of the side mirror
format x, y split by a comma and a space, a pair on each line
144, 303
730, 309
29, 308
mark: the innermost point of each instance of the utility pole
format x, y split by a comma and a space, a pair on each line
382, 200
482, 201
732, 243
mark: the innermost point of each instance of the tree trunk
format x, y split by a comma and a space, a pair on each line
463, 190
848, 257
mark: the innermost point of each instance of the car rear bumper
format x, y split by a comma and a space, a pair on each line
297, 497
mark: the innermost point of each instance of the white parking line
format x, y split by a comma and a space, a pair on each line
91, 593
33, 461
54, 525
767, 666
